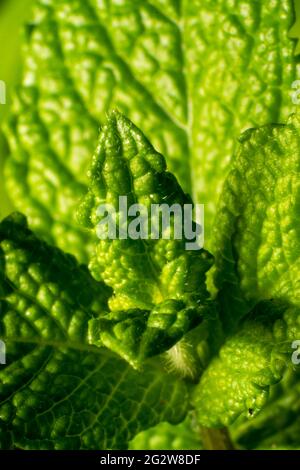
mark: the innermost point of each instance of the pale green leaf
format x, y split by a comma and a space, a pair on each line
159, 284
191, 74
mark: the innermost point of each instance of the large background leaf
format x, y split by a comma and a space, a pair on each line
12, 16
192, 75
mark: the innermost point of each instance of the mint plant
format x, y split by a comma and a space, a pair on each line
117, 343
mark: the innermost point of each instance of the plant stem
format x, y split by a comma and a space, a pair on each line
216, 439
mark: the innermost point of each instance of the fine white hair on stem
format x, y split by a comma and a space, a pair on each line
181, 359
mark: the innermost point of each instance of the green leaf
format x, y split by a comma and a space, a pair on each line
13, 14
277, 426
5, 205
238, 380
192, 75
295, 30
57, 391
257, 240
164, 436
137, 335
159, 285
